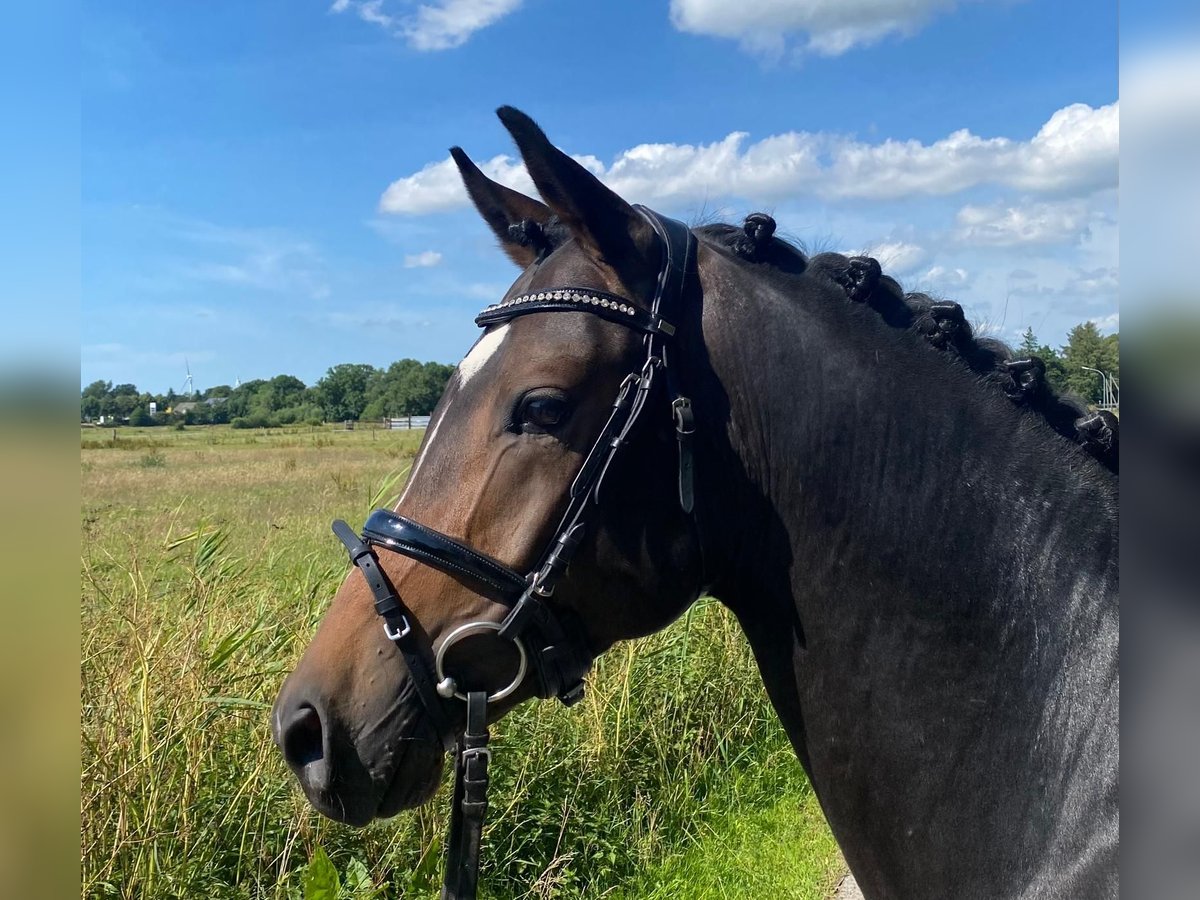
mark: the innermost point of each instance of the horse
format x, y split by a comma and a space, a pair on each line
917, 536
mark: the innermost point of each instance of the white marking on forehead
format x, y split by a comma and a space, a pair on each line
483, 350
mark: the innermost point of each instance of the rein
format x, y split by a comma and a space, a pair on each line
554, 649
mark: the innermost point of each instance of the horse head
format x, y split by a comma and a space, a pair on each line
518, 472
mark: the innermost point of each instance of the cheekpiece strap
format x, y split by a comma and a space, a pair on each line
678, 259
398, 627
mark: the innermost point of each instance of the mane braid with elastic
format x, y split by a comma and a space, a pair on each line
941, 322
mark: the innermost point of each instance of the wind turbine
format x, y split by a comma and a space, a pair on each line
188, 387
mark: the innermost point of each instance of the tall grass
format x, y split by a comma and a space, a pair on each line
202, 582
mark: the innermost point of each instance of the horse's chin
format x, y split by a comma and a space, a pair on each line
410, 788
364, 799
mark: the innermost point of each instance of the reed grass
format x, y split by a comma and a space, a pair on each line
203, 578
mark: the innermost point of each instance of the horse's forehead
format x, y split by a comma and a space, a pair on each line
483, 351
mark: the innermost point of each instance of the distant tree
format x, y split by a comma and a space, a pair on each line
91, 399
1056, 372
1029, 343
1087, 347
344, 389
241, 398
140, 417
97, 389
281, 392
407, 388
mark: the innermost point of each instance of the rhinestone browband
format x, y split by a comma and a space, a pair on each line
609, 306
605, 302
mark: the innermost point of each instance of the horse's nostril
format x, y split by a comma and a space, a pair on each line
303, 737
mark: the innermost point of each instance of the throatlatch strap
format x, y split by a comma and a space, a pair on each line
471, 760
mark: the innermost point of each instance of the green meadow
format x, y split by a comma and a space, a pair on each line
207, 562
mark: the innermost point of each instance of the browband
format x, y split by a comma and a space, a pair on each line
569, 299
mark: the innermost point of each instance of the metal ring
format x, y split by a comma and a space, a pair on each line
470, 628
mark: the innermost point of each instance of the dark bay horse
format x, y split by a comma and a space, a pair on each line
920, 549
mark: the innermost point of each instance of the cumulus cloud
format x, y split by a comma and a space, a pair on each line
437, 187
1074, 152
944, 278
825, 27
442, 25
898, 257
424, 260
1000, 225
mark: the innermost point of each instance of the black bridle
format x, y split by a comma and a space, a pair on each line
551, 645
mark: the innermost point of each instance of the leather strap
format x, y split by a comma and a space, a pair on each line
471, 760
399, 628
441, 552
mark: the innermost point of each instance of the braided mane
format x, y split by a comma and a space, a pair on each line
941, 323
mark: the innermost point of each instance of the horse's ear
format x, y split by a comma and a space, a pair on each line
611, 230
503, 208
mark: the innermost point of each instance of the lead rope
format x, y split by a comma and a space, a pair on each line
471, 758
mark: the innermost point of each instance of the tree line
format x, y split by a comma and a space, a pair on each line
412, 388
347, 391
1065, 371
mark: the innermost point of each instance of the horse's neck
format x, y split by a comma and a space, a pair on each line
923, 570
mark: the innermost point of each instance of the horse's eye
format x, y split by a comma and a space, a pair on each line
542, 412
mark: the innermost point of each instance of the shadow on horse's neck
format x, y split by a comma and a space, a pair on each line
919, 567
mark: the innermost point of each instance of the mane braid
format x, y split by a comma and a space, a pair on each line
941, 322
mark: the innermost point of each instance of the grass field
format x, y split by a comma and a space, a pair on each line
207, 562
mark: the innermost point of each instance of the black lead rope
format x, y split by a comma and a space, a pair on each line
558, 653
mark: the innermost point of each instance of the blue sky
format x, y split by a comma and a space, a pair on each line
265, 185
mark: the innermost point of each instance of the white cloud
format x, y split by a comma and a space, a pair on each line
1108, 324
1102, 282
423, 260
898, 257
1075, 152
943, 278
442, 25
438, 187
825, 27
1033, 223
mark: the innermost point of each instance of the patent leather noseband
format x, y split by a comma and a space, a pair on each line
550, 644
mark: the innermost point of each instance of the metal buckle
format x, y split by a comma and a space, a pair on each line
685, 422
467, 752
393, 633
